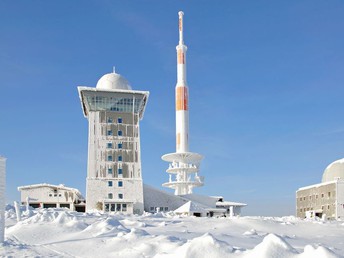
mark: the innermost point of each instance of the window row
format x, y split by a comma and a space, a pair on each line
109, 145
119, 183
116, 207
119, 171
119, 120
110, 133
316, 196
55, 195
110, 196
110, 158
311, 208
158, 209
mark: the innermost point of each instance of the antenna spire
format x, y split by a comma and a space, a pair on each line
181, 40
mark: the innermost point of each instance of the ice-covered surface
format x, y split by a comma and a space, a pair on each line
62, 233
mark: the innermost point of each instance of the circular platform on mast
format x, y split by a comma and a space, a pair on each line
188, 157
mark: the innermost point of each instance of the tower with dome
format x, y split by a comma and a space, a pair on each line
114, 175
325, 199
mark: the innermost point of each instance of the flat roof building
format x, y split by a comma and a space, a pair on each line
52, 196
325, 199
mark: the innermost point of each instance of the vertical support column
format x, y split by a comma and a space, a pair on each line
2, 197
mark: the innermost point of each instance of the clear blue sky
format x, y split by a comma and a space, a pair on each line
265, 78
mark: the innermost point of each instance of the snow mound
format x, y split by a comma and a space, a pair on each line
108, 226
251, 232
320, 251
135, 234
205, 246
272, 246
63, 233
133, 223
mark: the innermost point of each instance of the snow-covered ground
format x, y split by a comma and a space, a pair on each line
62, 233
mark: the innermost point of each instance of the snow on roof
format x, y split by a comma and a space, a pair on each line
317, 185
230, 204
189, 207
60, 186
211, 201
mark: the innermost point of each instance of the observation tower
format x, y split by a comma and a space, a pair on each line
184, 165
114, 176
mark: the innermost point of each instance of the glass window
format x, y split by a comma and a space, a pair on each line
109, 132
166, 208
120, 183
124, 207
120, 171
118, 207
110, 195
109, 145
112, 207
110, 170
106, 207
109, 183
120, 145
119, 133
110, 120
120, 196
119, 120
109, 158
120, 158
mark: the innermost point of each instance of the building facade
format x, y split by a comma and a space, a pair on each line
51, 196
325, 199
114, 175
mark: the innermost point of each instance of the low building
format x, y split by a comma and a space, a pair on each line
325, 199
156, 200
52, 196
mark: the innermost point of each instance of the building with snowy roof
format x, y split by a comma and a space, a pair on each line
326, 198
156, 200
114, 176
52, 196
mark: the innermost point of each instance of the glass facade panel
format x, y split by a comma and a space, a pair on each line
120, 102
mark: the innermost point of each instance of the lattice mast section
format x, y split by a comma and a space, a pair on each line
184, 165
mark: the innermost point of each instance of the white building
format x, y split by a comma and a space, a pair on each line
2, 197
156, 200
51, 196
326, 198
114, 175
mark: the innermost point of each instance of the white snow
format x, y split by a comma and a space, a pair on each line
62, 233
